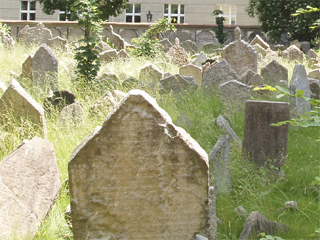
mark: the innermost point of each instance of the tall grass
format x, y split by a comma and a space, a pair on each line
253, 187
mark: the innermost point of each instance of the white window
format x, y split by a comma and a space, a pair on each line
133, 13
229, 13
28, 10
174, 11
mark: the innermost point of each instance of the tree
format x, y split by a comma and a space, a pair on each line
106, 8
276, 17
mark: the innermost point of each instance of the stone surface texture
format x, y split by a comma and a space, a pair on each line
30, 184
178, 83
16, 101
192, 70
138, 177
35, 35
264, 144
274, 72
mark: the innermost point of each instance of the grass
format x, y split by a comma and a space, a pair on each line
252, 187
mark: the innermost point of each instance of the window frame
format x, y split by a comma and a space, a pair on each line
133, 14
228, 15
178, 15
28, 11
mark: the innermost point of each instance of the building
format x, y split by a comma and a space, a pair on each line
189, 11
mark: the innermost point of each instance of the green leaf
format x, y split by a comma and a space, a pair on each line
300, 93
283, 90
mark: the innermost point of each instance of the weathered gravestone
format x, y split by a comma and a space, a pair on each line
258, 40
212, 209
234, 93
240, 55
108, 56
192, 70
30, 184
35, 35
16, 102
200, 59
177, 54
226, 128
264, 144
219, 163
314, 74
27, 68
312, 54
293, 53
217, 74
299, 81
58, 43
178, 83
72, 114
45, 69
274, 72
114, 39
189, 46
138, 177
151, 73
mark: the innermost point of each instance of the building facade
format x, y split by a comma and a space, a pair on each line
189, 11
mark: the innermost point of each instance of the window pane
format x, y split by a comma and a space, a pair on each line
129, 8
23, 16
128, 18
181, 19
24, 5
174, 19
62, 17
137, 19
137, 8
226, 20
182, 9
233, 9
174, 9
233, 21
32, 16
166, 8
32, 5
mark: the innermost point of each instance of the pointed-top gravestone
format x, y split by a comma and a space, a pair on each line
151, 73
30, 184
45, 69
274, 72
258, 40
16, 102
138, 177
217, 74
226, 128
240, 55
299, 81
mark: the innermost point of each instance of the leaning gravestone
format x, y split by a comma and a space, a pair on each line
45, 69
226, 128
150, 73
240, 55
299, 81
27, 67
219, 162
178, 83
192, 70
16, 102
138, 177
30, 184
274, 72
217, 74
264, 144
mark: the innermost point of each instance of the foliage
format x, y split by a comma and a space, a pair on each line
219, 20
5, 29
87, 54
264, 236
276, 18
309, 9
106, 8
148, 43
310, 119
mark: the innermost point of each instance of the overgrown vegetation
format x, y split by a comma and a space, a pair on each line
219, 21
252, 186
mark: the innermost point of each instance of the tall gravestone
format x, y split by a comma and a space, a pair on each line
240, 55
45, 69
299, 81
264, 144
138, 177
219, 162
16, 102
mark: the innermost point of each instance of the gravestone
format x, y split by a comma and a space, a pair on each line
256, 80
305, 46
108, 56
258, 40
234, 93
314, 88
20, 105
122, 54
226, 128
177, 54
264, 144
240, 55
151, 73
178, 83
314, 74
205, 37
212, 209
27, 68
58, 43
200, 59
257, 223
219, 163
189, 46
30, 184
260, 50
299, 81
311, 54
245, 77
72, 114
293, 53
45, 69
217, 74
182, 36
115, 40
192, 70
35, 35
274, 72
138, 177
